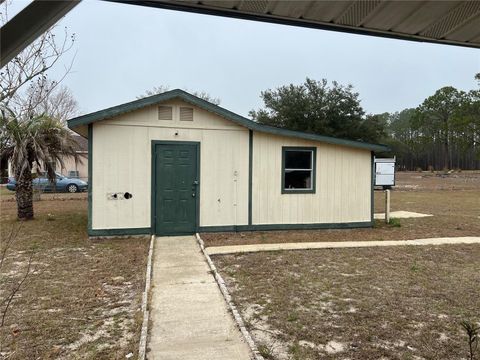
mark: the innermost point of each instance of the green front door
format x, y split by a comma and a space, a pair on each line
175, 190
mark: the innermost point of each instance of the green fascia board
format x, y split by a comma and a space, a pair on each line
90, 175
119, 232
238, 119
275, 227
234, 228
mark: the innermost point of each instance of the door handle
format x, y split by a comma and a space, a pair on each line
193, 194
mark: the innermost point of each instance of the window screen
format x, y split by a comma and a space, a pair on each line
298, 170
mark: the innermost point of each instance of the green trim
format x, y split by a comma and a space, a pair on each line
250, 175
90, 167
314, 170
234, 228
221, 228
240, 120
153, 204
271, 227
199, 174
153, 196
372, 190
119, 232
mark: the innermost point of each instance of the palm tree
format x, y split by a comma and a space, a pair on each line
39, 140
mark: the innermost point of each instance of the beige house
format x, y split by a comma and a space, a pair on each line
77, 169
70, 168
176, 164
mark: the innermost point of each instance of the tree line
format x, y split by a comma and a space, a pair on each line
443, 132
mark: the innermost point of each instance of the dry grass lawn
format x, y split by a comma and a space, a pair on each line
4, 191
82, 298
453, 200
367, 303
370, 303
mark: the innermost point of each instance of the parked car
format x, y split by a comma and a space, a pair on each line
62, 184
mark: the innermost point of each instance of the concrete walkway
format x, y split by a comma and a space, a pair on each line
189, 317
216, 250
401, 215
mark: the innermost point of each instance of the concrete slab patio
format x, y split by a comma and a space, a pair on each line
233, 249
189, 317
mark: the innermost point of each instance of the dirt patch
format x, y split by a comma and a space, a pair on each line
455, 213
82, 299
391, 303
418, 181
9, 196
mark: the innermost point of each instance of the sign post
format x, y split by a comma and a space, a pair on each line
387, 206
385, 177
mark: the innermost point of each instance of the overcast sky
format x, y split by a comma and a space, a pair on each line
123, 50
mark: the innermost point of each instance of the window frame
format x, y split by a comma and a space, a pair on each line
313, 150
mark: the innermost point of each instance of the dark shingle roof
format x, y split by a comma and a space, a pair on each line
81, 142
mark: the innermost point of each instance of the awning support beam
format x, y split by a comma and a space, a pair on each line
29, 24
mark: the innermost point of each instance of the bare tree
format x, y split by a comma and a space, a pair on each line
27, 73
206, 96
164, 88
58, 103
28, 134
154, 91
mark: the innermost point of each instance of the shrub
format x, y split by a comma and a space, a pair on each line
394, 222
265, 351
472, 331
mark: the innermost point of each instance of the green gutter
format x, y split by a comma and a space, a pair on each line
240, 120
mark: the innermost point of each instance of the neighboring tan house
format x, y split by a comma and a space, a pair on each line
176, 164
71, 168
77, 169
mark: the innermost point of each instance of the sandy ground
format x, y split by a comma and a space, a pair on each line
81, 299
454, 202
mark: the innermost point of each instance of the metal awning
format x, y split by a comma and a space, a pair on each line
443, 22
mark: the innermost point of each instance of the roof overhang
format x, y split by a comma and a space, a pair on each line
443, 22
29, 24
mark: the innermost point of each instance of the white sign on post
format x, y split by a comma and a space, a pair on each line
385, 172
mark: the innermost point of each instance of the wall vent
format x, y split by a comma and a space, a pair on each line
165, 113
186, 114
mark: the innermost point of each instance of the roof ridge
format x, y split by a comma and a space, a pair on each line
218, 110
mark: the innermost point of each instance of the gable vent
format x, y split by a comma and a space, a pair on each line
165, 113
186, 114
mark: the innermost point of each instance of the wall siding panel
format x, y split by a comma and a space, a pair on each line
343, 184
122, 162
